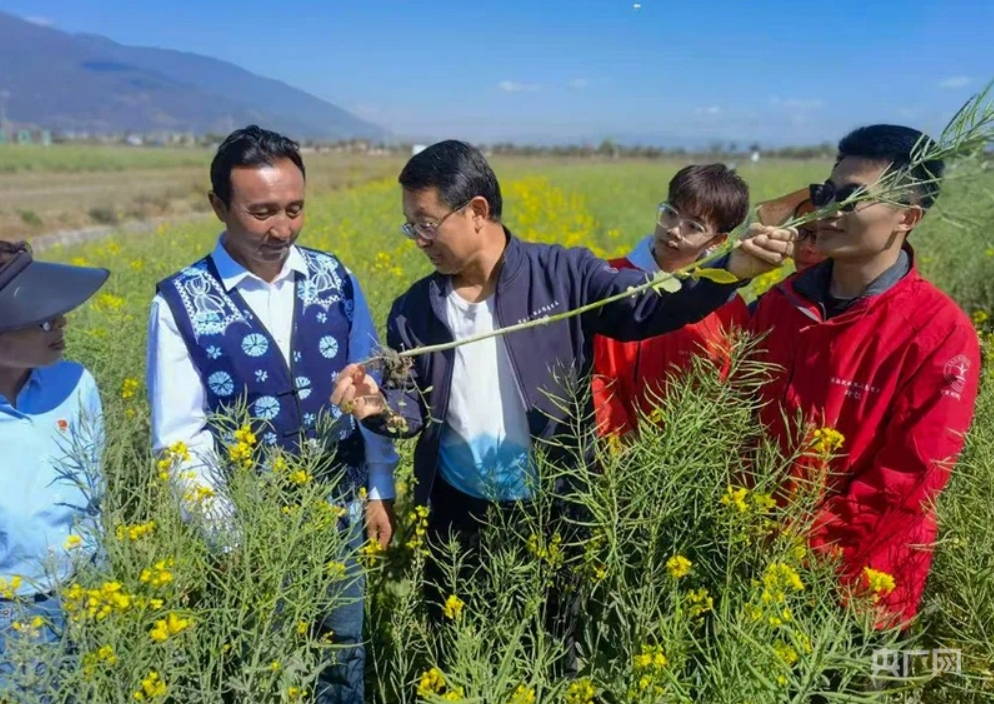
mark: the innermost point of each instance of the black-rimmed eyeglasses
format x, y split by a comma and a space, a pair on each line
428, 230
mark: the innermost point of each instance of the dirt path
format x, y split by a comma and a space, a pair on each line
92, 234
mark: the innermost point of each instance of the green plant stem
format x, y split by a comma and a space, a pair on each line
654, 283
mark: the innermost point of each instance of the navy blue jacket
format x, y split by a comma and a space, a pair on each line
550, 361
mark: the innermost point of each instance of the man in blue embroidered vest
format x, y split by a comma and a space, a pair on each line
263, 320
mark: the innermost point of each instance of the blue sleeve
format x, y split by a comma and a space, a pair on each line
404, 397
381, 456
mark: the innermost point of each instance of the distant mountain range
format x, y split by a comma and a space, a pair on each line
80, 82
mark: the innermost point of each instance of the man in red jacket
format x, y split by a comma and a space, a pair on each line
883, 358
704, 204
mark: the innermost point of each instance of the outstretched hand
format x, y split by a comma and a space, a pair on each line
357, 392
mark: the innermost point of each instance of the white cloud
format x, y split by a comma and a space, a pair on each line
40, 21
578, 83
955, 82
799, 103
515, 87
710, 110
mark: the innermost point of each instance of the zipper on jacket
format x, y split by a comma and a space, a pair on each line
516, 374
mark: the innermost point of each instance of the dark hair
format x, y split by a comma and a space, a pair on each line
9, 250
459, 172
250, 146
897, 145
713, 192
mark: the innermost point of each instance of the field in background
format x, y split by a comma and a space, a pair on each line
51, 189
44, 190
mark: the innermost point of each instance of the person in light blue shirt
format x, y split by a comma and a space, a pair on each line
51, 439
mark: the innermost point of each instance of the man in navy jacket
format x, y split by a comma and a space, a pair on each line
486, 278
483, 408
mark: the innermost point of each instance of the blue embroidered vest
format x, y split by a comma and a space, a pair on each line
239, 361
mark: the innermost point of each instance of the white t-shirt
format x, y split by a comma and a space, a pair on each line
485, 444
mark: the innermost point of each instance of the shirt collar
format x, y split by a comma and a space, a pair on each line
814, 282
31, 385
641, 257
232, 273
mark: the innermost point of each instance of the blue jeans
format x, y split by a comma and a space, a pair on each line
343, 681
17, 681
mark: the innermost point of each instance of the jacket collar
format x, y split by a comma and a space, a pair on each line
814, 283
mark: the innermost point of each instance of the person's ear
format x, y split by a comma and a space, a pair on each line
910, 217
220, 209
481, 211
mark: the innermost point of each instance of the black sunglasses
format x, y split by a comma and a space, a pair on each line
823, 194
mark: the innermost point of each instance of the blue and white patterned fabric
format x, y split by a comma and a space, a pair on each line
239, 361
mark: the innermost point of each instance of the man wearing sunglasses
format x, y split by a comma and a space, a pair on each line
704, 203
51, 432
871, 349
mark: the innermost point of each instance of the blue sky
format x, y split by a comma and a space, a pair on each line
665, 71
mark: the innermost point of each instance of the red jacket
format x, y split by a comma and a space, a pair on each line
628, 375
897, 375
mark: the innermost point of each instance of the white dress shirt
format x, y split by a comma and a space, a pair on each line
177, 396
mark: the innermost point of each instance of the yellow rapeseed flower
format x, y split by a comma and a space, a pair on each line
134, 532
581, 692
827, 440
8, 590
419, 520
785, 652
73, 541
736, 497
152, 686
880, 583
245, 435
700, 601
432, 682
170, 626
159, 574
453, 607
128, 388
679, 566
780, 576
299, 477
523, 695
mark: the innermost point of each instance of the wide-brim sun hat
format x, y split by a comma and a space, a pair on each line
34, 292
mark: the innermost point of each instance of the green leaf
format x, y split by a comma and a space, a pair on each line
667, 282
719, 276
